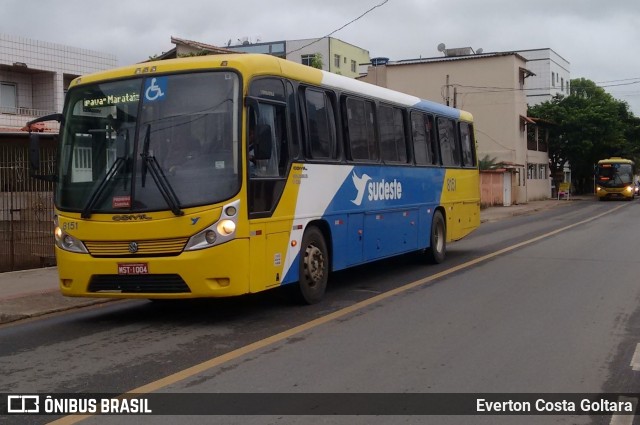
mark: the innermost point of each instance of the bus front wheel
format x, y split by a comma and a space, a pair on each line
314, 266
438, 239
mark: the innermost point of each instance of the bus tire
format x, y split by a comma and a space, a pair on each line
437, 250
314, 266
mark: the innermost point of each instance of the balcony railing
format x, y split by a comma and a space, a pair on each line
28, 112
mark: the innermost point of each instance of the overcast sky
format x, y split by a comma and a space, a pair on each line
598, 38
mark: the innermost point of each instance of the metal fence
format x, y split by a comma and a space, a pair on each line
26, 210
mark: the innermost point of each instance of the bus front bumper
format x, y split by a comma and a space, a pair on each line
219, 271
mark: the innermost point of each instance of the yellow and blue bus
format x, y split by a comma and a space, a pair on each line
225, 175
615, 179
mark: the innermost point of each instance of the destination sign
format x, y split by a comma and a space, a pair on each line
110, 100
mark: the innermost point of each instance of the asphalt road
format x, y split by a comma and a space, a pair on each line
546, 303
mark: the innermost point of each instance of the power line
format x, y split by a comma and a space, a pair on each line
615, 81
344, 26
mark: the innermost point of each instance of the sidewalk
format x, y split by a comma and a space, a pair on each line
32, 293
499, 213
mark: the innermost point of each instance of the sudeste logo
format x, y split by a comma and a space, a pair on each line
380, 190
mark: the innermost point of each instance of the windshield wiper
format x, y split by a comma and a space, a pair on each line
121, 156
86, 211
150, 163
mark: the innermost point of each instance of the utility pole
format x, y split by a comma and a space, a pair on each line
447, 98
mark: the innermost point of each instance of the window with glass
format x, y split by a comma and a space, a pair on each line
8, 98
268, 137
393, 146
140, 144
320, 125
336, 61
423, 146
307, 59
467, 144
531, 171
449, 152
615, 174
361, 136
542, 172
353, 66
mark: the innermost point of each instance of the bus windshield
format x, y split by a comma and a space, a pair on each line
615, 175
150, 143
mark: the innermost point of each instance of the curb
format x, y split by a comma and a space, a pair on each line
18, 308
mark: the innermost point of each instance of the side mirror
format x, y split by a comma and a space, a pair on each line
34, 151
34, 147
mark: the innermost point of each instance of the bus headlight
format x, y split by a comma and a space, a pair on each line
69, 243
629, 189
219, 232
226, 227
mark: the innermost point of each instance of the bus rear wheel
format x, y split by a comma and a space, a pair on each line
438, 239
314, 266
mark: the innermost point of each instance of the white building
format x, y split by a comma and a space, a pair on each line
552, 75
34, 76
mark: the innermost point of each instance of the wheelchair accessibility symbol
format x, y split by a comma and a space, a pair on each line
155, 89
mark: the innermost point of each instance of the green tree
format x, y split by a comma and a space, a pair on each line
488, 163
316, 61
584, 127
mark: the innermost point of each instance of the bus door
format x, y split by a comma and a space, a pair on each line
268, 161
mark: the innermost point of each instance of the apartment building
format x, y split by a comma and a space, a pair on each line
337, 56
551, 75
34, 76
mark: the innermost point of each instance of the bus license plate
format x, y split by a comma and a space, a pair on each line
133, 268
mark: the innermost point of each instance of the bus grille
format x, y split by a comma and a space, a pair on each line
141, 284
154, 247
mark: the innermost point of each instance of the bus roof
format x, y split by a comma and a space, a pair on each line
615, 160
261, 64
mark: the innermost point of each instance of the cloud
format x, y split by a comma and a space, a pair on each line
596, 38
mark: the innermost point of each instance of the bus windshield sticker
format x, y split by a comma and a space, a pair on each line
121, 201
155, 89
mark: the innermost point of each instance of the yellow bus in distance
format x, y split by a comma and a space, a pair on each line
615, 179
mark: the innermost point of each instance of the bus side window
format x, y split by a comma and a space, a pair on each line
432, 141
468, 148
269, 156
448, 145
393, 146
320, 125
294, 123
421, 143
360, 129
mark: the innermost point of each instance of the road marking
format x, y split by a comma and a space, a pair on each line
635, 360
235, 354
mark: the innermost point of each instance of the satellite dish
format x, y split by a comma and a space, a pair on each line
441, 47
479, 51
